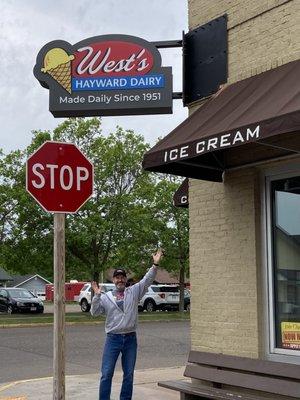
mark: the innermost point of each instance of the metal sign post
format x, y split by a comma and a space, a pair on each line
59, 308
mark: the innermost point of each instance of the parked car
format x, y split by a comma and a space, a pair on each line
19, 300
163, 297
84, 298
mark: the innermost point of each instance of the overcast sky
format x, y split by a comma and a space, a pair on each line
26, 25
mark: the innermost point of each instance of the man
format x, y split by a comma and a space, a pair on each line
121, 309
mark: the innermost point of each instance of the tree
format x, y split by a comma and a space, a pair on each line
9, 169
26, 234
174, 231
130, 213
97, 231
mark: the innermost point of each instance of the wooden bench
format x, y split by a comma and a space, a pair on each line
269, 378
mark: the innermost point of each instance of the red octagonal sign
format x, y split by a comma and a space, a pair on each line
59, 177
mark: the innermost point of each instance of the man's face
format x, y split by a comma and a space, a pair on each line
120, 282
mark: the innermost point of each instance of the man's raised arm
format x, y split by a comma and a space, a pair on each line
142, 286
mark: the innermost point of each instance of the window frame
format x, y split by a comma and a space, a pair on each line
273, 352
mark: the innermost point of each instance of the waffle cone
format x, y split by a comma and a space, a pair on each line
62, 75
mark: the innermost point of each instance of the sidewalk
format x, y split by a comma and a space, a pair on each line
86, 386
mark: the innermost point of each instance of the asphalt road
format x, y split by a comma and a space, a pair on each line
26, 353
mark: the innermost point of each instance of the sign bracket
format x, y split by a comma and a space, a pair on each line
166, 44
177, 95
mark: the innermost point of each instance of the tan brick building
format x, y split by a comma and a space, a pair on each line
245, 224
228, 242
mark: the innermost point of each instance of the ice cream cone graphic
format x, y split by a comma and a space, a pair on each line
57, 63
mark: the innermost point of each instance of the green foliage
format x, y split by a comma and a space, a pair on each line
130, 214
80, 318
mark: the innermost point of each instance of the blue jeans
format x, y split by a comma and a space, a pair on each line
114, 345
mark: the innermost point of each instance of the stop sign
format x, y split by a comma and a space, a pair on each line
59, 177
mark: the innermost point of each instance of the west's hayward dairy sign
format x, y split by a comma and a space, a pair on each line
104, 75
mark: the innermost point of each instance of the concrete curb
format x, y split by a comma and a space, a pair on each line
86, 386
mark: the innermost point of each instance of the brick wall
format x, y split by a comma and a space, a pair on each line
223, 264
262, 34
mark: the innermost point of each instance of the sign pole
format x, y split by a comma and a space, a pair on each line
59, 308
60, 178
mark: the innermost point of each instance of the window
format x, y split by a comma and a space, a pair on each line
169, 289
20, 294
108, 288
285, 262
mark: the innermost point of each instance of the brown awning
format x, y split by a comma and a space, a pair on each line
250, 121
181, 196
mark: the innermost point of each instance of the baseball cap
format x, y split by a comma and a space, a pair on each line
119, 271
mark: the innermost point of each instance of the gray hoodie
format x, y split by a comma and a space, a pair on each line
118, 321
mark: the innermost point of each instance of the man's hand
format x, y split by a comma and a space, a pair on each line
157, 256
96, 288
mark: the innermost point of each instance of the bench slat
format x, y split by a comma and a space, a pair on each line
205, 392
250, 381
246, 364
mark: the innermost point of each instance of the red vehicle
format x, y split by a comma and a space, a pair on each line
72, 289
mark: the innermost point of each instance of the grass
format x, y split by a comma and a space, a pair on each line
81, 318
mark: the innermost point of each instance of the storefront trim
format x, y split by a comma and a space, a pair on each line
271, 351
